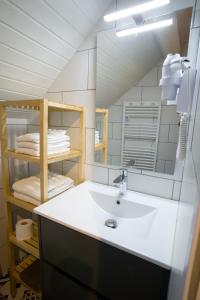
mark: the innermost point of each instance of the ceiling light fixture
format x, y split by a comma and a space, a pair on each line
148, 27
135, 10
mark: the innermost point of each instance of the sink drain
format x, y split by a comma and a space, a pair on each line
111, 223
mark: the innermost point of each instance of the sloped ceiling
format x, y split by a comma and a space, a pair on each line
37, 40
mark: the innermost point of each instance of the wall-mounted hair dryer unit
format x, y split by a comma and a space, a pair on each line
177, 82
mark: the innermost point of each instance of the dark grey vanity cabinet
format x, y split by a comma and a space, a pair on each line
76, 266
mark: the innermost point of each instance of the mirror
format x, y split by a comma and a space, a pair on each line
139, 131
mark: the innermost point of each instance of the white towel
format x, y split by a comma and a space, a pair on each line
97, 138
31, 186
34, 201
34, 152
35, 146
26, 198
52, 136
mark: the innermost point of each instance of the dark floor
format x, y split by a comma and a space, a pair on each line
22, 292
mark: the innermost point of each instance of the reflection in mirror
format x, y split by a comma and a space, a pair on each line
101, 134
143, 131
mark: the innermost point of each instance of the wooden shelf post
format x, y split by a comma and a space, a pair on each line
104, 145
82, 146
44, 150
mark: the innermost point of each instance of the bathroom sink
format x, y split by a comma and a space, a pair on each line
142, 221
126, 208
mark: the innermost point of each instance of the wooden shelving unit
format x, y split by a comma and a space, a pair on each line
43, 106
16, 273
104, 145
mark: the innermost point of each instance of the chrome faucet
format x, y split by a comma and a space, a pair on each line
121, 181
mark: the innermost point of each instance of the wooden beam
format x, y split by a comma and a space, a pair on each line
44, 150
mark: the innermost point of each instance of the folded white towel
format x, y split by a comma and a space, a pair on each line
34, 201
34, 152
57, 131
35, 137
31, 186
51, 146
26, 198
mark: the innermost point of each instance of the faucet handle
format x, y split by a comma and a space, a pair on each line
123, 172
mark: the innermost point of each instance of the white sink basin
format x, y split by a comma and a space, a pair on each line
145, 224
126, 208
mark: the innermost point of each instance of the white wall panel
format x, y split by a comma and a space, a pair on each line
12, 72
23, 24
44, 15
10, 95
71, 13
37, 40
20, 87
17, 41
91, 8
26, 62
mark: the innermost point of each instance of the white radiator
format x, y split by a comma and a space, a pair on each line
140, 135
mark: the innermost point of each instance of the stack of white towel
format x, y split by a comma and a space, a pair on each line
97, 139
28, 189
58, 141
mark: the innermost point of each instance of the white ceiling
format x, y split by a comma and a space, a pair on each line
37, 40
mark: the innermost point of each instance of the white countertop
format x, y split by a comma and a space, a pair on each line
150, 237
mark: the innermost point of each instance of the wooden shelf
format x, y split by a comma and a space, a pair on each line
31, 245
53, 106
43, 107
51, 158
36, 105
20, 203
99, 146
20, 268
64, 156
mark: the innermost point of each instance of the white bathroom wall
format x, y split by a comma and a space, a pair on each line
76, 85
190, 189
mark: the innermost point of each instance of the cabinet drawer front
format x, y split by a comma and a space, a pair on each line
58, 286
106, 269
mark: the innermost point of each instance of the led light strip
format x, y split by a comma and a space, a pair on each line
148, 27
135, 10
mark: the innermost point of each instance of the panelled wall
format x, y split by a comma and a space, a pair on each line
38, 38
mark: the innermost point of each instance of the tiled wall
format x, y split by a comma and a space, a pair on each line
146, 90
141, 181
190, 187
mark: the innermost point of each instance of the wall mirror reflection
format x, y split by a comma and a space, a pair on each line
143, 131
